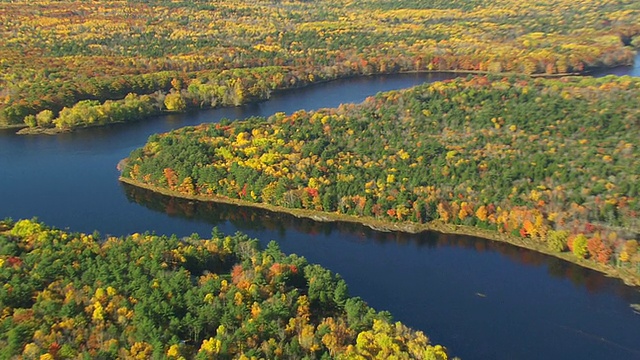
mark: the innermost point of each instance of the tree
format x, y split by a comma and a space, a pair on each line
557, 240
31, 121
579, 246
598, 250
174, 102
481, 213
45, 118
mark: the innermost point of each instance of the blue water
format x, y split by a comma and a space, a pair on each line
483, 300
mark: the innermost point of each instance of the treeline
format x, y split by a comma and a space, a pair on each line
552, 161
71, 295
204, 90
244, 217
58, 54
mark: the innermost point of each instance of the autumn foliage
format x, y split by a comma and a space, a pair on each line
72, 295
551, 161
68, 64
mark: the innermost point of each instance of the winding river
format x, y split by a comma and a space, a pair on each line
483, 300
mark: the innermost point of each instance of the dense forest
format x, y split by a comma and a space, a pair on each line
552, 162
67, 64
73, 295
255, 218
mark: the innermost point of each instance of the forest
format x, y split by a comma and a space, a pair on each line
506, 150
69, 64
551, 162
75, 295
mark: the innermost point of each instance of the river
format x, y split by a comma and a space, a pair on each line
483, 300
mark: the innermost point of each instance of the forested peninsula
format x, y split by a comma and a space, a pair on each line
551, 165
70, 64
74, 295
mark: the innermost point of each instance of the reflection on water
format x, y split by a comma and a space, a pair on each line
255, 219
429, 281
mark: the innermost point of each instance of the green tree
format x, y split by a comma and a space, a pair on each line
45, 118
30, 120
557, 240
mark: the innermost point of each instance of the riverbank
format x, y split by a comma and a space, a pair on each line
628, 277
23, 129
42, 131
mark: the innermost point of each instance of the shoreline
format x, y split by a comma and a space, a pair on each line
629, 278
23, 129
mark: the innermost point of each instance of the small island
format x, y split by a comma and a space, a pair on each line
73, 295
551, 165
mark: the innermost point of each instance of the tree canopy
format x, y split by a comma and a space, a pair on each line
545, 160
70, 295
58, 54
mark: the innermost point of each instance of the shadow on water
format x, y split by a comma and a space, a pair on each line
429, 281
254, 219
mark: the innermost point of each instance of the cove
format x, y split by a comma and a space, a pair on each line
479, 298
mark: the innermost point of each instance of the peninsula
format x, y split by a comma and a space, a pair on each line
551, 165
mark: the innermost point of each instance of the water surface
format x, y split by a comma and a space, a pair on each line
483, 300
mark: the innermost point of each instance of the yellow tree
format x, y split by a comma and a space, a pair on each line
174, 102
481, 213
